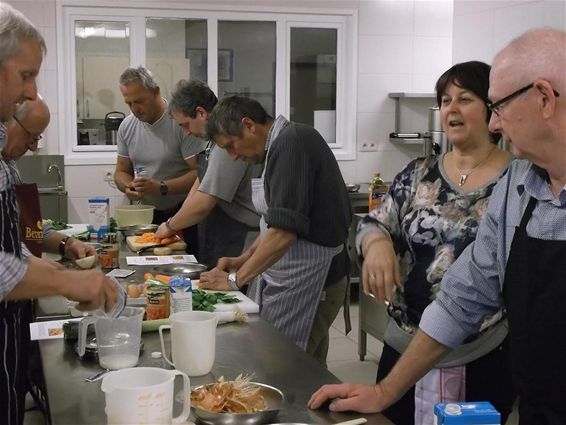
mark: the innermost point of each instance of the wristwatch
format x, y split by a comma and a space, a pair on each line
232, 281
63, 245
163, 188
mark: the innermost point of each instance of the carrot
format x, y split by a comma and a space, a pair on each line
167, 241
147, 276
147, 237
163, 278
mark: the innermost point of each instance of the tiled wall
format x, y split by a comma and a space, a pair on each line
404, 45
482, 28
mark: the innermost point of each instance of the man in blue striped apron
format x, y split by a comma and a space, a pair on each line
305, 215
518, 259
23, 276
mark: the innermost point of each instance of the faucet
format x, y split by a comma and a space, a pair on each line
53, 167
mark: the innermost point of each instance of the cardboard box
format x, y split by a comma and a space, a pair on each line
98, 216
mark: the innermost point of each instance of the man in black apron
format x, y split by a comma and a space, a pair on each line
519, 257
23, 276
220, 199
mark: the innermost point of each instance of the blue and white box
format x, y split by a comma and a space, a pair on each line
98, 217
468, 413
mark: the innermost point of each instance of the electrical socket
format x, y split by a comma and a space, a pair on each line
109, 176
368, 147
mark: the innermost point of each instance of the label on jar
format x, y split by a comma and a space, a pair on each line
157, 302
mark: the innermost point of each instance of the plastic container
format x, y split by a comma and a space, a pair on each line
144, 395
181, 293
131, 215
477, 413
377, 191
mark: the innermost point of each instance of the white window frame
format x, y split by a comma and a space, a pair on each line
135, 13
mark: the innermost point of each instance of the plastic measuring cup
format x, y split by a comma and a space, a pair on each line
118, 339
144, 395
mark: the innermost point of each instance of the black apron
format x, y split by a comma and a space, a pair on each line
219, 234
12, 322
535, 296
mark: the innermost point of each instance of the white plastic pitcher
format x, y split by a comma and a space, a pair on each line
118, 339
144, 396
193, 341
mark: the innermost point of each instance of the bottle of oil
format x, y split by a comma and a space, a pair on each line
376, 192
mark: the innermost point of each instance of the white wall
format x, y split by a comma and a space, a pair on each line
404, 45
482, 28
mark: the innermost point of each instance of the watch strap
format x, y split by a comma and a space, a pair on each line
63, 245
233, 281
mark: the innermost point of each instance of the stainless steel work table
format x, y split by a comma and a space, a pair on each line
255, 347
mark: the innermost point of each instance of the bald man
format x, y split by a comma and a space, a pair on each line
24, 131
518, 259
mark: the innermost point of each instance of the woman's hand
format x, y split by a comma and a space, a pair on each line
352, 397
380, 270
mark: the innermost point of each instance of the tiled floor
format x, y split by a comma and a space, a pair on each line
343, 360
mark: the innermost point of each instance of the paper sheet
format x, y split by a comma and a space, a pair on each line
52, 329
154, 260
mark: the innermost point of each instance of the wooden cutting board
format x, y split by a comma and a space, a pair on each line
179, 245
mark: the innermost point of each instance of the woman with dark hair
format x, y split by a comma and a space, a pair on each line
430, 215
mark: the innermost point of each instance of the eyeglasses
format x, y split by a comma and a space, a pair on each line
33, 137
496, 107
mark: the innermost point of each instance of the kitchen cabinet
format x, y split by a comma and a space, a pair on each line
408, 104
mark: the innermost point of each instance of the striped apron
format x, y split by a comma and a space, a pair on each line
12, 331
289, 292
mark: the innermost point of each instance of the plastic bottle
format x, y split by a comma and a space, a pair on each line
377, 190
157, 359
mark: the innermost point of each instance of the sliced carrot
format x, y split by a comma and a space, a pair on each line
167, 241
147, 276
163, 278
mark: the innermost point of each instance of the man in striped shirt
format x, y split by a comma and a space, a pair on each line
23, 276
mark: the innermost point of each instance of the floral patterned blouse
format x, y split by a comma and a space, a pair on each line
430, 221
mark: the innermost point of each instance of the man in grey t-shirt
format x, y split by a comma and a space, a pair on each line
221, 198
156, 160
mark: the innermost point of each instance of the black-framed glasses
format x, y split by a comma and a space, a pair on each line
33, 137
496, 107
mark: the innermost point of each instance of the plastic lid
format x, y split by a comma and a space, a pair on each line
156, 355
453, 409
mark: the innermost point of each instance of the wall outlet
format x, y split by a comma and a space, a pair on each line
109, 176
368, 147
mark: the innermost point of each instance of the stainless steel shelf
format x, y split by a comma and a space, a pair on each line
406, 141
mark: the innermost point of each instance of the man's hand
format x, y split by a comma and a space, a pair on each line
145, 186
91, 289
131, 193
230, 264
75, 249
163, 232
215, 279
353, 397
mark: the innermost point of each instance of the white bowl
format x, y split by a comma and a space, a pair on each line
131, 215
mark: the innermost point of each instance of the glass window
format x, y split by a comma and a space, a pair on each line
246, 61
175, 50
102, 52
313, 79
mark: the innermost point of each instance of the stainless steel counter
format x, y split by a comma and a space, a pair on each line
255, 347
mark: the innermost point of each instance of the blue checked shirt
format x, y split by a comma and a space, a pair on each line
12, 269
472, 286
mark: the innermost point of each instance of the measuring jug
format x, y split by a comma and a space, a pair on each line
144, 396
118, 339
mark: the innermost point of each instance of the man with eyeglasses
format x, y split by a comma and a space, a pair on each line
519, 256
24, 131
23, 276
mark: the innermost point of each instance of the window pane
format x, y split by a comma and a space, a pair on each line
313, 79
246, 61
176, 49
102, 52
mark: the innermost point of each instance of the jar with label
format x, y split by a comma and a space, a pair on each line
181, 289
157, 301
377, 191
109, 254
